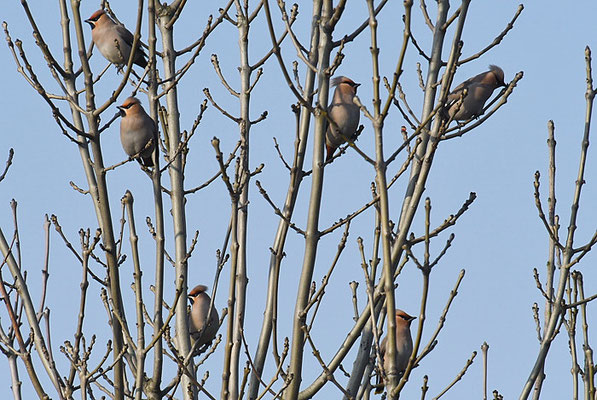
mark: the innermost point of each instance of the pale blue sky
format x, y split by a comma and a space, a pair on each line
498, 241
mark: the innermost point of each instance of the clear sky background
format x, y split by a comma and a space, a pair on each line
498, 241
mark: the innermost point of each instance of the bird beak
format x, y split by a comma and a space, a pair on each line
90, 22
356, 85
122, 114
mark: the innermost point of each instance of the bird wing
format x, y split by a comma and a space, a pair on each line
128, 38
382, 347
455, 94
125, 34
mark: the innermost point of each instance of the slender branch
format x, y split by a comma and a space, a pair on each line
11, 153
458, 377
277, 211
497, 40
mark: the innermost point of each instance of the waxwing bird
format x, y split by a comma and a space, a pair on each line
479, 89
344, 113
404, 346
137, 130
105, 33
200, 328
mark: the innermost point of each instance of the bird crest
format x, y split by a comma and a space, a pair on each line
128, 103
342, 79
404, 315
96, 15
197, 290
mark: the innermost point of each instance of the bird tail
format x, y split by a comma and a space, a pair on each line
379, 386
140, 58
141, 61
329, 152
379, 382
145, 161
443, 112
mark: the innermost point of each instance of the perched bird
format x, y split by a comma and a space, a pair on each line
480, 88
105, 33
200, 328
344, 113
404, 345
137, 129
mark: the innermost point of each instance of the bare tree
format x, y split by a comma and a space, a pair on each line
159, 359
563, 292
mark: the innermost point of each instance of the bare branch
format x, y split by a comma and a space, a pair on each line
11, 153
497, 40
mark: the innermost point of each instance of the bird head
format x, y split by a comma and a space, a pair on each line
497, 76
196, 292
345, 84
403, 318
96, 17
129, 106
